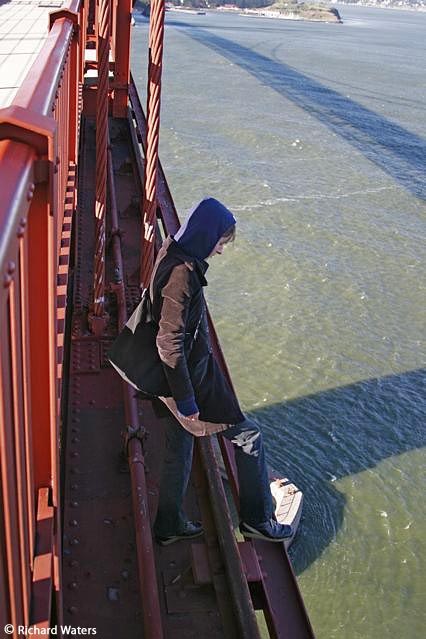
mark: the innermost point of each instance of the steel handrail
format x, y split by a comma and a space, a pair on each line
35, 152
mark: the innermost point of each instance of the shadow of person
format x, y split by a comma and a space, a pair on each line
318, 439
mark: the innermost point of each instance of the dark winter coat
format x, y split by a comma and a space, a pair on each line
183, 341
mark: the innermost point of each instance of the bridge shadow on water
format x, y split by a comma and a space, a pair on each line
321, 438
397, 151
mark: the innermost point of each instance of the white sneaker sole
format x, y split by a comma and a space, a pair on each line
248, 531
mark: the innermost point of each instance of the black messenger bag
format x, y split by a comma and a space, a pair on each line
134, 353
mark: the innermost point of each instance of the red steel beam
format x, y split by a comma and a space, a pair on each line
122, 58
145, 552
32, 178
98, 319
156, 39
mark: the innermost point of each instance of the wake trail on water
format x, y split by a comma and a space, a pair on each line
316, 196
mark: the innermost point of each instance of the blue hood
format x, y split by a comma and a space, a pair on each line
205, 225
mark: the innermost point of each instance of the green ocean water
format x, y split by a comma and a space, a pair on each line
314, 136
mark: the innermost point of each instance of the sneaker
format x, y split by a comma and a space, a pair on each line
191, 529
269, 530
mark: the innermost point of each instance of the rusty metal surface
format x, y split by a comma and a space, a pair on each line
134, 443
99, 566
243, 606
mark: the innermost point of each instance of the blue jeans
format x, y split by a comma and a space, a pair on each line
255, 495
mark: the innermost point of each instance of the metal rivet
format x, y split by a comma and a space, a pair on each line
73, 610
7, 281
21, 227
73, 585
73, 563
74, 486
73, 522
30, 193
74, 454
74, 541
74, 504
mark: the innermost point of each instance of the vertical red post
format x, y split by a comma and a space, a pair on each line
122, 58
15, 326
98, 318
42, 264
26, 397
156, 41
74, 85
9, 496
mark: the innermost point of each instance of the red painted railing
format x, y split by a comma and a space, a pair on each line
38, 155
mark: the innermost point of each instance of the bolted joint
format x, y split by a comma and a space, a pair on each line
72, 16
133, 432
8, 276
21, 228
98, 323
29, 127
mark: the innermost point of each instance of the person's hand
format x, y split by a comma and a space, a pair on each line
191, 418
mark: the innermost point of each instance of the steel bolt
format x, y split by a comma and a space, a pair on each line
73, 585
30, 193
74, 541
22, 226
73, 522
74, 504
7, 281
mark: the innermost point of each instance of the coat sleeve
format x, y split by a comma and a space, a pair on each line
202, 342
176, 298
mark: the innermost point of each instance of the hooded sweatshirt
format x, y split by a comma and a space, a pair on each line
206, 224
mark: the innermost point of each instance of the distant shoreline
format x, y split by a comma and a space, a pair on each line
372, 5
310, 14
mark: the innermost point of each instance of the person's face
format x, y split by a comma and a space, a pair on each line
218, 249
